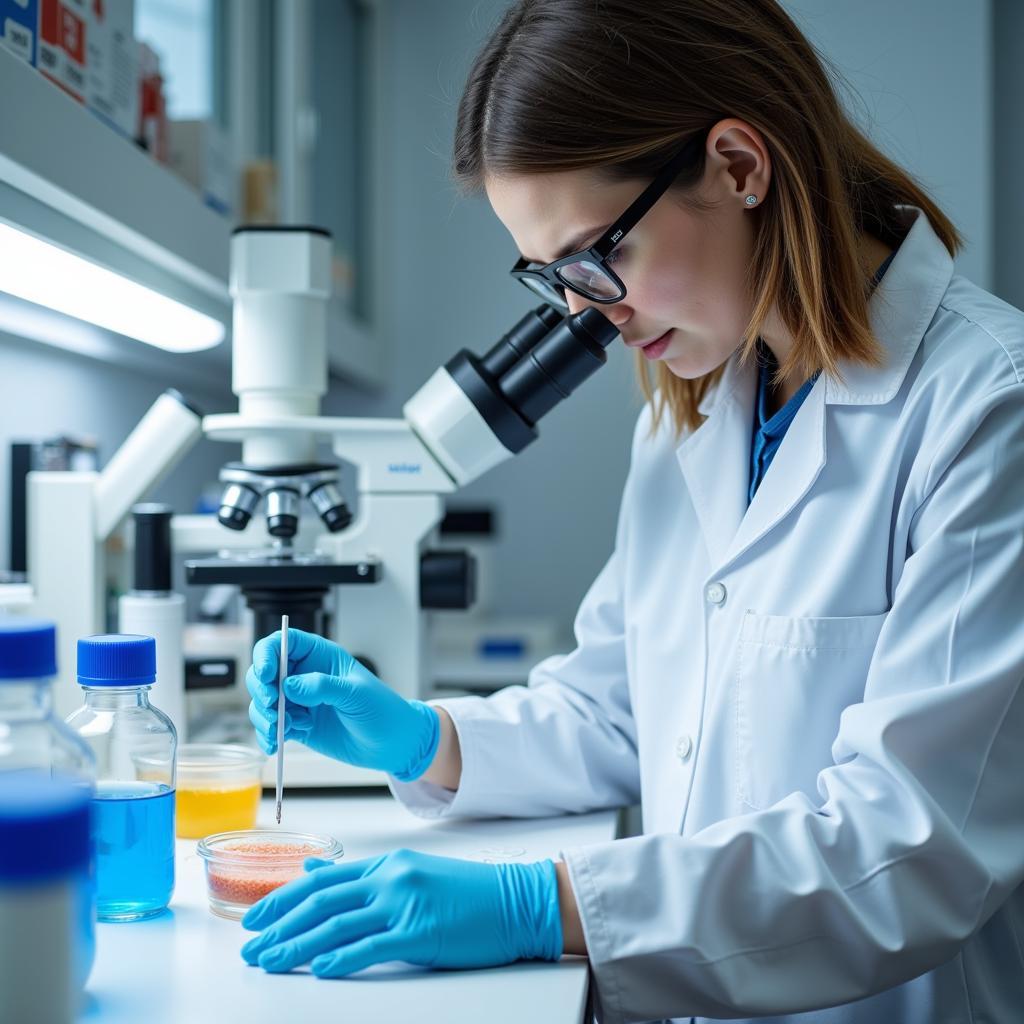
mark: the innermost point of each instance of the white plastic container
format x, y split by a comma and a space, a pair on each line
153, 609
47, 914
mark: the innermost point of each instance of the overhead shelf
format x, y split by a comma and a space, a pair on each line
57, 153
69, 178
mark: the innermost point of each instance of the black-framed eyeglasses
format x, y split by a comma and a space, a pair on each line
586, 272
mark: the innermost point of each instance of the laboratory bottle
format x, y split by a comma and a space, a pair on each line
31, 735
47, 930
153, 609
135, 747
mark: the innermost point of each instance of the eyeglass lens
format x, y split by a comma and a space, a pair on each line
546, 290
588, 277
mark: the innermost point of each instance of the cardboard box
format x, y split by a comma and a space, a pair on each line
199, 153
19, 22
49, 52
112, 68
61, 47
258, 188
152, 124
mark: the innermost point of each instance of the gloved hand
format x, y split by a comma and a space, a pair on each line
335, 706
433, 911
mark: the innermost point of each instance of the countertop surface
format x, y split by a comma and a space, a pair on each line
184, 967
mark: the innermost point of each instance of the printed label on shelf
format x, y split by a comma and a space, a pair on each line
112, 79
20, 19
62, 44
18, 39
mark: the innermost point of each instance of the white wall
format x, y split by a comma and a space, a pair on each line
921, 75
1008, 147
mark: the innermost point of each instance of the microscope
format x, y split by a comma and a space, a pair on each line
366, 576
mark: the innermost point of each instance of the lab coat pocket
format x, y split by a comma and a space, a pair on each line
794, 677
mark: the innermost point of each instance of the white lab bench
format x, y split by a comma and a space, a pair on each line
184, 967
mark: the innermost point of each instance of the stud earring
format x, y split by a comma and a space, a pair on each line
751, 200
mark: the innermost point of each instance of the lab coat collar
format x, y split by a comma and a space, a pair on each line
715, 461
901, 308
715, 458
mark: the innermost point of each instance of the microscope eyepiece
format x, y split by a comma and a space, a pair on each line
511, 347
559, 363
593, 324
476, 411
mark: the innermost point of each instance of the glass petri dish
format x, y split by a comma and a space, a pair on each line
219, 788
242, 867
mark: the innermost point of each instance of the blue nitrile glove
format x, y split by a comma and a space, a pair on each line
433, 911
335, 706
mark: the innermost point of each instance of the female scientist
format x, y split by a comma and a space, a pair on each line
804, 655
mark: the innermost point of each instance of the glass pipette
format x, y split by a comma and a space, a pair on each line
282, 673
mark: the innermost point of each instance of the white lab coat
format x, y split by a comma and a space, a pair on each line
817, 698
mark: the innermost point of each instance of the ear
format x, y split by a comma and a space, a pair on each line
738, 162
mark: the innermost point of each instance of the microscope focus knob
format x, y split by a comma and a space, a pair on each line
447, 579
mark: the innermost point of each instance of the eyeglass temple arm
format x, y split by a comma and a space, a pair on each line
643, 202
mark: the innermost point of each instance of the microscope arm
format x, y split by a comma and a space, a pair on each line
71, 515
161, 438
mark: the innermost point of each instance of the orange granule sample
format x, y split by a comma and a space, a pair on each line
247, 883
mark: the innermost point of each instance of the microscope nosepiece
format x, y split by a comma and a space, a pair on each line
236, 506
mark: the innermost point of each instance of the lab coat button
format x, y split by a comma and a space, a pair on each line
715, 593
684, 746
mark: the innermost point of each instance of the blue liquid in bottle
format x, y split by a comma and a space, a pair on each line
134, 830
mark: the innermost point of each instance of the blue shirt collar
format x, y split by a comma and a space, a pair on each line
776, 425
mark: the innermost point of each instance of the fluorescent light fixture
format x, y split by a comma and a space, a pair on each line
40, 272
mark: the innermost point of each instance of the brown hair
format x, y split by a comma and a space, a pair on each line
617, 86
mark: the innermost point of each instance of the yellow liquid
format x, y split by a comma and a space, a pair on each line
201, 812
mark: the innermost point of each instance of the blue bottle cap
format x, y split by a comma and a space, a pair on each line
45, 823
28, 649
117, 659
